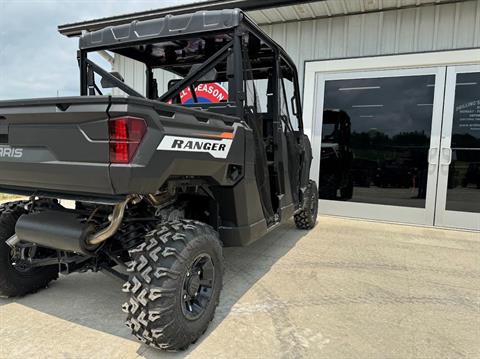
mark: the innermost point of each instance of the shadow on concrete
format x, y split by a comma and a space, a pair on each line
94, 300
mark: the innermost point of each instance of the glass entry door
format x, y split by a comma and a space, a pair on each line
458, 197
377, 137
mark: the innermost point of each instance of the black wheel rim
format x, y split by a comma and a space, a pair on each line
198, 284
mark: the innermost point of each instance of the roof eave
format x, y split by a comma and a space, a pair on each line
76, 29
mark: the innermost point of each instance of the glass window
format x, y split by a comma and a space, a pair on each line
463, 193
375, 140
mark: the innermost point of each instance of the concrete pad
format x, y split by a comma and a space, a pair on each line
48, 336
347, 289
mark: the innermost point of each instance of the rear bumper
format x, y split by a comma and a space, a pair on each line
57, 176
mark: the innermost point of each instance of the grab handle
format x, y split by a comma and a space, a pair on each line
446, 152
433, 156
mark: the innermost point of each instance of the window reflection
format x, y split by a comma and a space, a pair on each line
463, 192
375, 140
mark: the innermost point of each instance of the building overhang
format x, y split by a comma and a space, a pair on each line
76, 29
263, 12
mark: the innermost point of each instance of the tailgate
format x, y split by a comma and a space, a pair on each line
55, 144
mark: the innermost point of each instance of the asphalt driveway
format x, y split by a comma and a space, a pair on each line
348, 289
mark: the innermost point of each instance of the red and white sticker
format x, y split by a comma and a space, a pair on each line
206, 93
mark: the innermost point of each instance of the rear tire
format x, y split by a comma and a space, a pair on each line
9, 206
346, 192
172, 297
14, 282
307, 217
327, 187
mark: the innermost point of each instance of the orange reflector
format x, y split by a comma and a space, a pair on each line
227, 135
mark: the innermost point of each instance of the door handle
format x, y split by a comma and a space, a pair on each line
433, 153
448, 152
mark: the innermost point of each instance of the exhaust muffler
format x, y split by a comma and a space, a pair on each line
65, 231
54, 229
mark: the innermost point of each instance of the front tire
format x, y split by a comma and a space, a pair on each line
175, 283
307, 217
15, 280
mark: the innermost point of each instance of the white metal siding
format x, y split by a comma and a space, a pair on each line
425, 28
326, 8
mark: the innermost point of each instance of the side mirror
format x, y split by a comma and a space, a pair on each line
107, 84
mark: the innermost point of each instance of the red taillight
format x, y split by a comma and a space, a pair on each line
126, 133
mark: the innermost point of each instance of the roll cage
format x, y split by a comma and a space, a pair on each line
193, 46
219, 46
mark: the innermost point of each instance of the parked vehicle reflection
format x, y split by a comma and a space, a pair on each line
375, 140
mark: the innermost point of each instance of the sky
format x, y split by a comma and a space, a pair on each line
35, 59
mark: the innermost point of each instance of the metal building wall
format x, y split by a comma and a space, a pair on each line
418, 29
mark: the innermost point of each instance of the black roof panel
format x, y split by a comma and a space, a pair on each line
199, 22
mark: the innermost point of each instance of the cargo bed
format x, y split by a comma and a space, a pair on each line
62, 145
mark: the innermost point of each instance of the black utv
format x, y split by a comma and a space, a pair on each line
336, 158
158, 184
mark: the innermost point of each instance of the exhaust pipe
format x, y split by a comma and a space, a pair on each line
12, 241
115, 221
64, 230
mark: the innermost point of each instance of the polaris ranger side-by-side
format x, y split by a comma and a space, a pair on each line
159, 184
336, 156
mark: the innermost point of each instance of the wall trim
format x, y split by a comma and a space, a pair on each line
402, 60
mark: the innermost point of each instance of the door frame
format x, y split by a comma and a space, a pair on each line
415, 215
315, 70
444, 217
